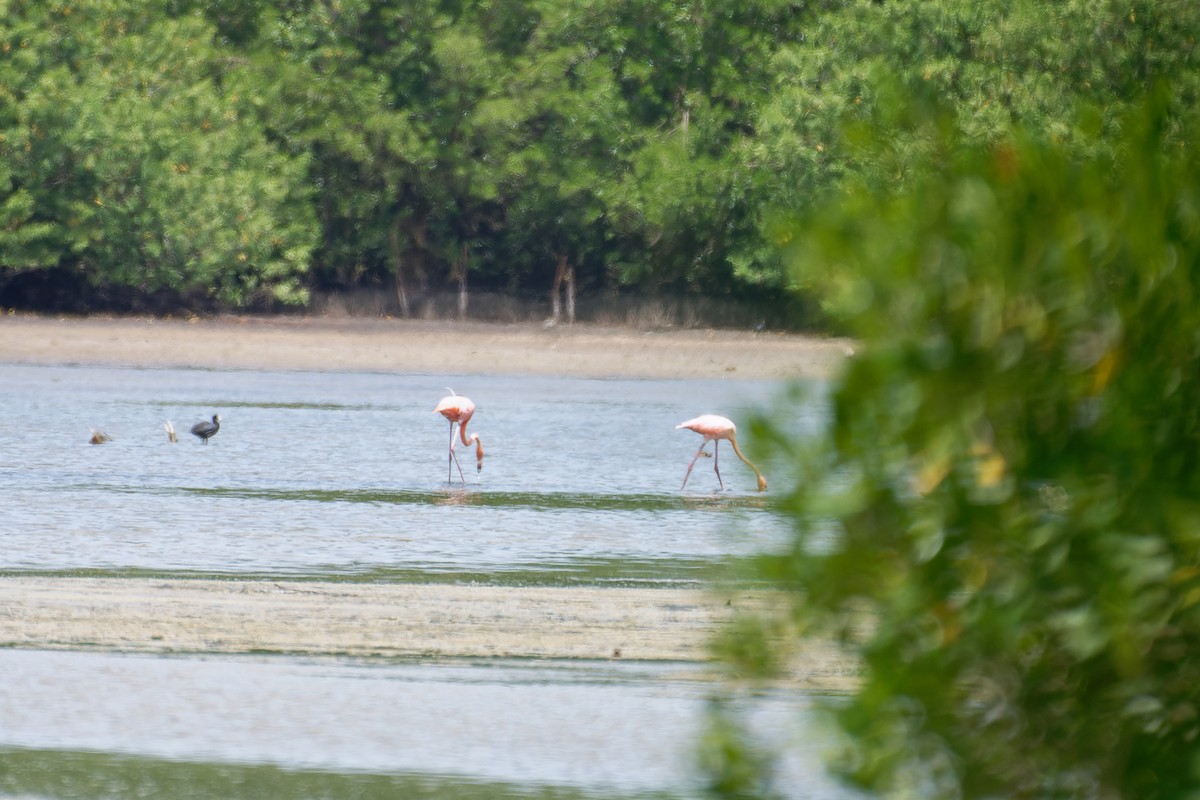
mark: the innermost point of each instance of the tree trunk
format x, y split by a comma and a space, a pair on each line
570, 278
398, 269
560, 272
462, 283
419, 250
564, 273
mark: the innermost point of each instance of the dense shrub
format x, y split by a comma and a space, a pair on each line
1012, 469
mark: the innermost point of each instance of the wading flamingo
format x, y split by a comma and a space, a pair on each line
715, 428
459, 410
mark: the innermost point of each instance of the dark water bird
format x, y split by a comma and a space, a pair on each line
99, 437
170, 429
206, 430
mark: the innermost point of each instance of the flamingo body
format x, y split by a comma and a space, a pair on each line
459, 410
710, 426
456, 408
715, 428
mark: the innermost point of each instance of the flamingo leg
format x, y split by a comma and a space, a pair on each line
453, 459
688, 474
716, 463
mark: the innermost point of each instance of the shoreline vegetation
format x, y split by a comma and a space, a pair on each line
145, 615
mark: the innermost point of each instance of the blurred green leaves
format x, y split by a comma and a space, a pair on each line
1012, 469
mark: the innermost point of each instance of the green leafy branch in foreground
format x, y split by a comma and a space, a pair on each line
1012, 470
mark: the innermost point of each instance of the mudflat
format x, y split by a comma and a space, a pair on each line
427, 620
413, 346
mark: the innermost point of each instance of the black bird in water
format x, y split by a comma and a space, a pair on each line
206, 430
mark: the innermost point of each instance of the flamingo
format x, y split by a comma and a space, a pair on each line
458, 410
715, 428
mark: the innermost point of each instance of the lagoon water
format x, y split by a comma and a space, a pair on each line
343, 476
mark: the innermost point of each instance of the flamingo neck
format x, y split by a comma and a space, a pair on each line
462, 434
473, 439
762, 481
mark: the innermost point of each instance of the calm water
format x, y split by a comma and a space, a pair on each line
344, 476
523, 729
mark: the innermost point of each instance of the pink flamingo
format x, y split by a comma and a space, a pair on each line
716, 428
459, 410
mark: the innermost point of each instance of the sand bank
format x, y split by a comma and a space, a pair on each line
188, 616
410, 346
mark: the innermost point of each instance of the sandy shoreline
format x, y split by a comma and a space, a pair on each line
429, 620
327, 618
423, 620
413, 346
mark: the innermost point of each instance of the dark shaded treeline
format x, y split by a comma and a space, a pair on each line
245, 154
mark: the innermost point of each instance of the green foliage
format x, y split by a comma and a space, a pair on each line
1002, 521
990, 64
248, 150
24, 242
135, 158
731, 765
